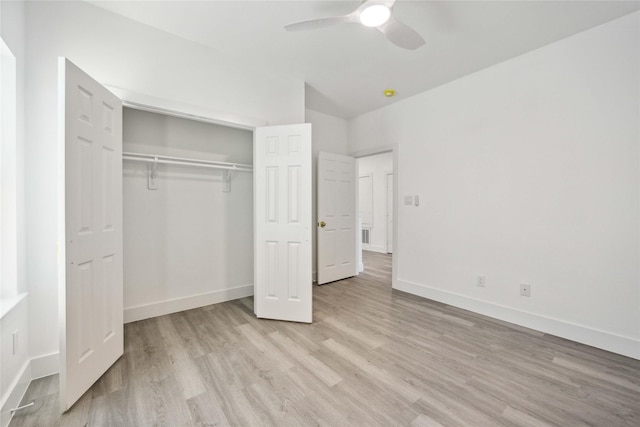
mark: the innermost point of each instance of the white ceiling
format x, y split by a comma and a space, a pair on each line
347, 67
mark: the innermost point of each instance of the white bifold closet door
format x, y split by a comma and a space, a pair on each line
91, 304
282, 220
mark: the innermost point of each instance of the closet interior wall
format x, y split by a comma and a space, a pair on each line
187, 243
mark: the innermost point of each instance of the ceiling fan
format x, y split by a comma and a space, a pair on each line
371, 13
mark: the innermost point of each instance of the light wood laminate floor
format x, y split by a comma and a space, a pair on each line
372, 357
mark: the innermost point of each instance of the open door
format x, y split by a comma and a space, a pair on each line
91, 304
282, 222
337, 230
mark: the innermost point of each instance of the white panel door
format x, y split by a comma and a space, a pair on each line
91, 305
365, 200
337, 222
282, 222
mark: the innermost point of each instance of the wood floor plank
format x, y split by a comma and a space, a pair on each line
268, 350
110, 410
386, 409
315, 366
282, 411
359, 335
206, 411
190, 339
373, 356
423, 420
188, 377
522, 419
395, 384
225, 385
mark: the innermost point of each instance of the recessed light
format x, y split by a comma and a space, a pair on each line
389, 93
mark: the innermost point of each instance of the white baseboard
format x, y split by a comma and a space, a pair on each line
15, 393
43, 366
140, 312
625, 346
374, 248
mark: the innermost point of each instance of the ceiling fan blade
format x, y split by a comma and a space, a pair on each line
401, 34
388, 3
314, 24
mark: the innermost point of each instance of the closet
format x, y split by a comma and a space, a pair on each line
188, 227
152, 224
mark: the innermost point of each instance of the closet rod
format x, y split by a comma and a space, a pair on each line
151, 158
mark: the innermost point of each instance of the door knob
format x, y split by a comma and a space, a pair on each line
322, 224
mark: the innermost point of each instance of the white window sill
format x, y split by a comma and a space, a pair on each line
8, 304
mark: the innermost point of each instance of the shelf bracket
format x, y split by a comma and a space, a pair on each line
226, 180
152, 174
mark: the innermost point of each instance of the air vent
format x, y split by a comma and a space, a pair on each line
365, 235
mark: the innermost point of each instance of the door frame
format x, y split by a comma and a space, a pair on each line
143, 102
388, 244
395, 150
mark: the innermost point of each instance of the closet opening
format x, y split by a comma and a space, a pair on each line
187, 213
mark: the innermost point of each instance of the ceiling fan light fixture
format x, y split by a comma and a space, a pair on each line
375, 15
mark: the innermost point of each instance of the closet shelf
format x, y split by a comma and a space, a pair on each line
154, 160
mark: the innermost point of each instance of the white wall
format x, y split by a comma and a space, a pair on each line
377, 166
13, 367
528, 171
187, 243
124, 54
12, 25
328, 134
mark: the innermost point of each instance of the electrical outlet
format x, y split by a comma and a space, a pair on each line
416, 200
525, 289
481, 280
